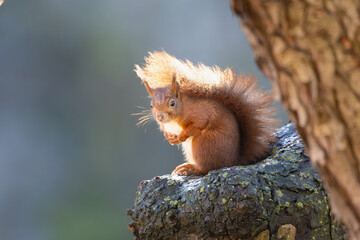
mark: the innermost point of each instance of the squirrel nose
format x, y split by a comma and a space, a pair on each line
161, 116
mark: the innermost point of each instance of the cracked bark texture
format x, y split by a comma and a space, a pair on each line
311, 52
243, 202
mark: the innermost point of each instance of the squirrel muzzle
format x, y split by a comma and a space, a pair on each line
162, 116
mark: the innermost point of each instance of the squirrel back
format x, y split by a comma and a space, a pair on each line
237, 93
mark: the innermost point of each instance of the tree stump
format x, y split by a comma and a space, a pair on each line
277, 198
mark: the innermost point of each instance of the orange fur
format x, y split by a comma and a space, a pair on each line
225, 115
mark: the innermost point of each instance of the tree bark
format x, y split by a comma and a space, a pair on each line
311, 52
277, 198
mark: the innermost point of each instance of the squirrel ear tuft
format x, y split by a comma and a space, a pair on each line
148, 88
140, 72
175, 87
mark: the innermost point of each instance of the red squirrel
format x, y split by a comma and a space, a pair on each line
221, 120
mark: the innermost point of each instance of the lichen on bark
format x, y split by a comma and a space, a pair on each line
240, 202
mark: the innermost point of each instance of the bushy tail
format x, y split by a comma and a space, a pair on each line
238, 93
250, 106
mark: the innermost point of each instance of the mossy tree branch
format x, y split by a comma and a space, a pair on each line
241, 202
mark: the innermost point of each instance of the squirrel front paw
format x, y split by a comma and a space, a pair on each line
172, 138
186, 169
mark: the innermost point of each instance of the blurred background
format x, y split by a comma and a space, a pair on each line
71, 156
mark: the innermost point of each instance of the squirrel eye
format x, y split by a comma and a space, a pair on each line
151, 105
172, 103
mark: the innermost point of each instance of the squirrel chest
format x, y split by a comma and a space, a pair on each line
174, 128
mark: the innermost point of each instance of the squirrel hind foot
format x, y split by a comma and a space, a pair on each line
187, 169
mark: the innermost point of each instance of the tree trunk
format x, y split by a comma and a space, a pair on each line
278, 198
311, 52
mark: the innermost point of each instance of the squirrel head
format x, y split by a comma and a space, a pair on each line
165, 101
